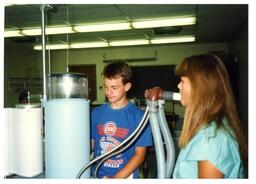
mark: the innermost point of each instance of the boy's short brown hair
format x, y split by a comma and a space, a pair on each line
118, 69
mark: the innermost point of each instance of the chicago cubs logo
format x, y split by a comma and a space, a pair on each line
110, 128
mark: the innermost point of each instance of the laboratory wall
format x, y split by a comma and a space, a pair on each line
22, 69
22, 62
165, 55
238, 48
27, 63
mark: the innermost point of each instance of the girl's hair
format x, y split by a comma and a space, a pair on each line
118, 69
211, 98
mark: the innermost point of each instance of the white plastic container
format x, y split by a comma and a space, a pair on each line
24, 128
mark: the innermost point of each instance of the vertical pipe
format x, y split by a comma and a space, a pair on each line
42, 8
67, 42
67, 58
49, 61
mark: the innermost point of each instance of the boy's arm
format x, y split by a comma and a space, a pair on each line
134, 163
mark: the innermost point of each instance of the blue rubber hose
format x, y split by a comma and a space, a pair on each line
170, 149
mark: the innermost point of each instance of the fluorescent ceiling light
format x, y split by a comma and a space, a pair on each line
48, 31
102, 27
70, 29
8, 4
129, 42
149, 23
177, 39
52, 47
12, 33
162, 40
59, 30
164, 22
88, 45
31, 32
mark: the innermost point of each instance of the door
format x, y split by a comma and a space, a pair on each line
90, 71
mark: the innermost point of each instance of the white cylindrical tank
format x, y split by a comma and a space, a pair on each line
67, 140
67, 126
24, 140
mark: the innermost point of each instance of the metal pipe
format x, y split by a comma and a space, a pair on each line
42, 9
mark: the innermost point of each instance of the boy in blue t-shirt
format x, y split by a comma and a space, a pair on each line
114, 121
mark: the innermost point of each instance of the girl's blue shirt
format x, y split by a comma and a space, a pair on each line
216, 145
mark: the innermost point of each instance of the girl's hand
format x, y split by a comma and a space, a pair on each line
154, 93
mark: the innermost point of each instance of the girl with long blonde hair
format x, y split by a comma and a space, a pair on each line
212, 139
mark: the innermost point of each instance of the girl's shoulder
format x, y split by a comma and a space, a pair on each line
212, 140
216, 145
210, 133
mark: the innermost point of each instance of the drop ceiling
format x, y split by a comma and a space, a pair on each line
215, 23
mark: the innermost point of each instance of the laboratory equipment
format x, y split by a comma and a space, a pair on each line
23, 146
67, 125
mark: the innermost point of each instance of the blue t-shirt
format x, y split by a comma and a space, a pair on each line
218, 146
110, 127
